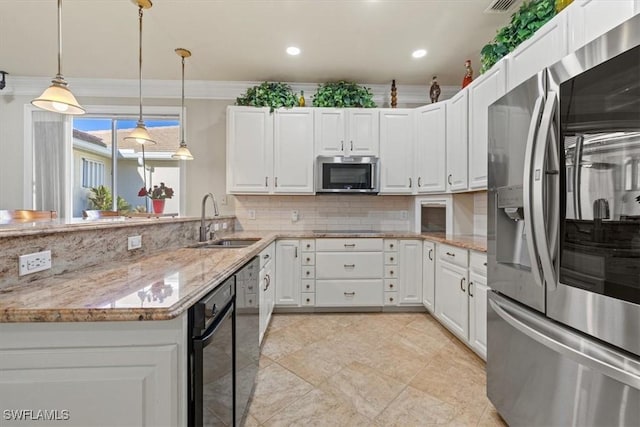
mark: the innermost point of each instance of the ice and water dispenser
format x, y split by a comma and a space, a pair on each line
510, 228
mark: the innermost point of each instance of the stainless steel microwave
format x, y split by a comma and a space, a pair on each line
347, 174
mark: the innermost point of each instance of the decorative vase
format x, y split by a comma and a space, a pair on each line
561, 4
158, 205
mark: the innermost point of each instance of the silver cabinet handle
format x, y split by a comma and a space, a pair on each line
267, 281
276, 181
462, 284
266, 181
419, 182
449, 179
341, 145
469, 287
410, 182
346, 294
430, 254
351, 145
349, 266
350, 245
266, 256
295, 253
450, 254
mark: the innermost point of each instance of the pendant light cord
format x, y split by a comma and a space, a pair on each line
59, 76
182, 110
139, 63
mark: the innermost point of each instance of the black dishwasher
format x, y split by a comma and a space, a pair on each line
223, 352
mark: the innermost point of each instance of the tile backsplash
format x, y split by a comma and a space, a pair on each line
480, 213
324, 212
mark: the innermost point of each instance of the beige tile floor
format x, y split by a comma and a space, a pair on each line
378, 369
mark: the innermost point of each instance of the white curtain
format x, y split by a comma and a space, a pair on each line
49, 159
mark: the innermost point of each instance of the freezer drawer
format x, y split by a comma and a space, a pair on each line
541, 373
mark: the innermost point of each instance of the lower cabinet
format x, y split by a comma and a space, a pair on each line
351, 293
410, 270
288, 268
267, 289
451, 298
478, 313
429, 276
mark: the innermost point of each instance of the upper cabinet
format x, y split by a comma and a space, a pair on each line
483, 92
547, 46
293, 151
346, 132
430, 148
589, 19
396, 151
249, 150
457, 141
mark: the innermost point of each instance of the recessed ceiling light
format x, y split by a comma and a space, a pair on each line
292, 50
419, 53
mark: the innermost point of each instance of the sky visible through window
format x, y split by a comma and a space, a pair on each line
89, 124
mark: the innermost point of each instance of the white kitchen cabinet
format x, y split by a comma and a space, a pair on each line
267, 285
346, 132
483, 92
452, 306
589, 19
288, 270
429, 275
478, 313
410, 271
396, 151
293, 151
430, 148
249, 150
547, 46
457, 141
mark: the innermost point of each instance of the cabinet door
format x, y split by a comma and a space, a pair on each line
482, 93
430, 148
396, 151
457, 141
478, 314
270, 293
429, 275
545, 47
329, 131
262, 302
288, 267
249, 150
363, 138
293, 151
451, 298
589, 19
410, 264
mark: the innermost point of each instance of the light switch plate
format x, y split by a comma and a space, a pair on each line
134, 242
252, 214
32, 263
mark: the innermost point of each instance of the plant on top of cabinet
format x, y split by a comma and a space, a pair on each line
269, 94
343, 94
526, 21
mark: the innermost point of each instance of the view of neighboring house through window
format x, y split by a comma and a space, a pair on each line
111, 171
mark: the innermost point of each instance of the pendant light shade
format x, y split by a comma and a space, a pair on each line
183, 152
57, 97
140, 134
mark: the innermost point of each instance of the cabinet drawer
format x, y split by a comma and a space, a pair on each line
390, 298
250, 300
267, 254
308, 285
347, 265
390, 285
307, 299
478, 262
390, 271
308, 272
350, 245
390, 245
308, 258
336, 293
390, 258
307, 245
453, 255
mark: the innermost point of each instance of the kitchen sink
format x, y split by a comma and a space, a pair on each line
227, 243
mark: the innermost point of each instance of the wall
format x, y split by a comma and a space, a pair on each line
325, 212
480, 213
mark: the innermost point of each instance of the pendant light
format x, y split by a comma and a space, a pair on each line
183, 152
140, 133
57, 97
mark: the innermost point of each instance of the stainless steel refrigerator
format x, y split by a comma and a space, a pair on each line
564, 240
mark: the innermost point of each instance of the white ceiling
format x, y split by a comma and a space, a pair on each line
368, 41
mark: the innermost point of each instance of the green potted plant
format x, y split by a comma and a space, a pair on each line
343, 94
527, 20
269, 94
158, 194
101, 199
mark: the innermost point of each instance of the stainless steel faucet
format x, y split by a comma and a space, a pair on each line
204, 230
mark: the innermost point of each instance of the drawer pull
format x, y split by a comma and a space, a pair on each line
470, 285
430, 254
449, 179
308, 272
349, 294
419, 181
308, 300
450, 254
391, 272
391, 286
484, 263
462, 284
391, 245
266, 256
391, 299
308, 246
349, 245
308, 259
308, 286
349, 266
391, 258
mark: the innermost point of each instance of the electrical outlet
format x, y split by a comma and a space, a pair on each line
134, 242
295, 215
404, 215
224, 225
252, 214
32, 263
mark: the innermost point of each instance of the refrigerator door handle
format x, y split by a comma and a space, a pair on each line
541, 224
526, 189
606, 360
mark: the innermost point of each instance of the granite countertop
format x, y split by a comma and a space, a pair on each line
158, 287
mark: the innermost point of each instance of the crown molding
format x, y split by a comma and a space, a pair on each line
201, 89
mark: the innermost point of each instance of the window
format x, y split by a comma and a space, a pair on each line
92, 173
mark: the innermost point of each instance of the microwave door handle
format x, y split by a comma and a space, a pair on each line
544, 215
526, 189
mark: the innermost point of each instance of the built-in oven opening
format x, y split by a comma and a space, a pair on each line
433, 218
